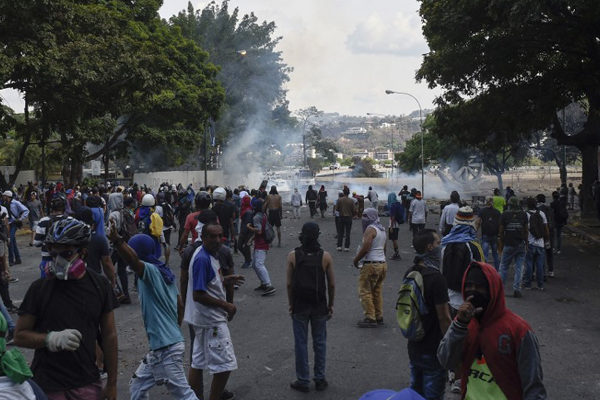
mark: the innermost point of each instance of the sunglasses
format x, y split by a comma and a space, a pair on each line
66, 254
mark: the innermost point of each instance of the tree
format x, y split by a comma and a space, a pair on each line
518, 62
326, 148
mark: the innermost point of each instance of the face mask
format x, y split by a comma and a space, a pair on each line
432, 258
478, 300
64, 269
365, 223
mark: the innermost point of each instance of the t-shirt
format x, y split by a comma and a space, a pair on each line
205, 275
97, 249
436, 292
225, 213
499, 203
481, 384
514, 223
345, 206
40, 234
159, 308
35, 210
531, 239
258, 222
71, 304
417, 208
490, 221
190, 224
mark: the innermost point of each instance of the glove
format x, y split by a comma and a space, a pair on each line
68, 339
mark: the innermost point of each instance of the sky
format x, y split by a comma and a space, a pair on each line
345, 53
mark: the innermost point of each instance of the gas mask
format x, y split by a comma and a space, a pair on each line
63, 269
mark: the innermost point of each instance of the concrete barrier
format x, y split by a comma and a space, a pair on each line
196, 178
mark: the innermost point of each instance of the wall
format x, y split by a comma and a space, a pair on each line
196, 178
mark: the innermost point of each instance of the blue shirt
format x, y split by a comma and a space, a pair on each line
159, 308
18, 211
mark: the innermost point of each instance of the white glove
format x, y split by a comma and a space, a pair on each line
68, 339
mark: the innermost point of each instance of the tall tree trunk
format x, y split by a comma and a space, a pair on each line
500, 182
589, 154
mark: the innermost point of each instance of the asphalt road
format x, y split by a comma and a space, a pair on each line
564, 317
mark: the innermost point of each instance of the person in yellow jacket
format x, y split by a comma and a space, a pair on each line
149, 222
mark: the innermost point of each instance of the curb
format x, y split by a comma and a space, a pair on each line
582, 234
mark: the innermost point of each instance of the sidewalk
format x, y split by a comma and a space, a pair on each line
586, 229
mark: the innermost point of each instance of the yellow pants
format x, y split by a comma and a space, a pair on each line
370, 286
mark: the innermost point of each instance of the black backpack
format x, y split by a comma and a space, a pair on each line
536, 224
128, 225
455, 260
168, 217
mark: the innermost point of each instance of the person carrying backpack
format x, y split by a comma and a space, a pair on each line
490, 228
396, 218
261, 247
549, 242
536, 253
427, 376
513, 236
149, 222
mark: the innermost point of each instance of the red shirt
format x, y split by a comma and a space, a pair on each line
190, 224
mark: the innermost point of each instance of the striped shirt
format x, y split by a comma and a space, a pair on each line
40, 234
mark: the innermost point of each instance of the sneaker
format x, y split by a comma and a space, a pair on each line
557, 251
367, 323
227, 395
321, 384
246, 265
262, 287
269, 291
339, 249
527, 287
18, 261
299, 386
125, 300
541, 289
396, 256
517, 294
551, 274
455, 387
13, 279
380, 322
346, 249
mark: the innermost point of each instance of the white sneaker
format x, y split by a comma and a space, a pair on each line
346, 249
339, 249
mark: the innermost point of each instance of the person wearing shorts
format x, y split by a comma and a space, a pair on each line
207, 312
274, 206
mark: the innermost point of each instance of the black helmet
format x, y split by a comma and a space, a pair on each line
58, 204
202, 200
70, 232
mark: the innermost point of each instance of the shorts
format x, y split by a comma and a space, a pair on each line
33, 225
213, 350
393, 233
93, 391
275, 217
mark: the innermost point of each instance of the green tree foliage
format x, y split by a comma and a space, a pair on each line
251, 70
506, 67
83, 66
364, 168
325, 148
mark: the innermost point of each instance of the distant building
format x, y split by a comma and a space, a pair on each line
382, 155
354, 131
363, 154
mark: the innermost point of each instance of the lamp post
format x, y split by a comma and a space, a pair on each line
421, 128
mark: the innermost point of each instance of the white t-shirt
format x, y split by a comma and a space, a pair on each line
417, 208
531, 239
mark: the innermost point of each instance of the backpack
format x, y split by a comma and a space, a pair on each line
411, 307
536, 225
398, 210
268, 231
168, 217
128, 225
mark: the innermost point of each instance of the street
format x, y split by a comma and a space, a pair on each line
564, 317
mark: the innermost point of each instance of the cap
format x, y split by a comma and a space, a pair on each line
8, 193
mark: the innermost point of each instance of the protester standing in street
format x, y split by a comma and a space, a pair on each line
322, 200
17, 213
274, 209
396, 218
513, 242
448, 214
490, 228
373, 198
296, 202
311, 198
311, 293
373, 271
261, 247
417, 213
35, 213
345, 206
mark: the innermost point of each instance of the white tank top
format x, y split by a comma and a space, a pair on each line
377, 253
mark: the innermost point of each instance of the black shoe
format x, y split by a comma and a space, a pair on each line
125, 300
321, 384
517, 294
269, 291
367, 323
262, 287
299, 386
380, 322
227, 395
18, 261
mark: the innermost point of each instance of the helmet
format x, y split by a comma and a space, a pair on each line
148, 200
219, 194
202, 200
69, 231
160, 197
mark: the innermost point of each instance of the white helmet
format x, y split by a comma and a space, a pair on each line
148, 200
219, 194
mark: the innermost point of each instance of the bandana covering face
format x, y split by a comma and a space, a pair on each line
144, 247
369, 218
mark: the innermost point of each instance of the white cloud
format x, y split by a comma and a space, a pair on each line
399, 35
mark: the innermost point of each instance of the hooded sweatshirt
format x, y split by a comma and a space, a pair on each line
506, 341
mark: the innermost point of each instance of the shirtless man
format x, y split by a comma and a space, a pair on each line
275, 211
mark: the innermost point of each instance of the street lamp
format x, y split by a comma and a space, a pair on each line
421, 127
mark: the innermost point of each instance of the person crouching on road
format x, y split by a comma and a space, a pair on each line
161, 312
373, 271
309, 267
496, 349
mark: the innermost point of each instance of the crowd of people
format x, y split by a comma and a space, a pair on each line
91, 239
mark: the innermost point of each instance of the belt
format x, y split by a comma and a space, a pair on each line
373, 262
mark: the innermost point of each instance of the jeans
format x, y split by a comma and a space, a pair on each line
345, 227
370, 289
318, 326
510, 253
487, 243
427, 376
296, 211
312, 206
536, 258
550, 252
13, 250
259, 267
7, 317
162, 367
